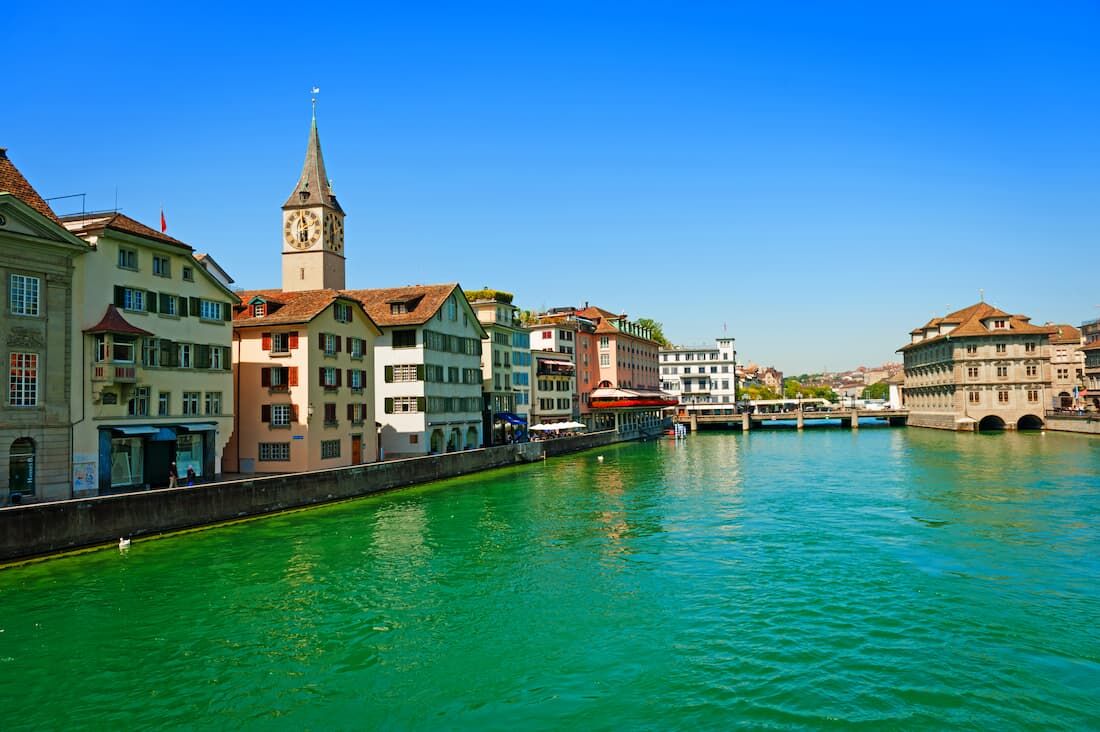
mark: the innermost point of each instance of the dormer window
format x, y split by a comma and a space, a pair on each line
259, 309
999, 324
398, 308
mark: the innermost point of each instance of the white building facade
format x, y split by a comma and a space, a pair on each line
702, 378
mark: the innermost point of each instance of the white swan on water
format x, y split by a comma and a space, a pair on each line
123, 543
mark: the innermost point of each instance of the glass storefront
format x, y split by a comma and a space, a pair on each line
127, 461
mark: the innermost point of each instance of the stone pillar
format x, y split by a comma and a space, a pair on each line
746, 422
855, 419
801, 424
694, 422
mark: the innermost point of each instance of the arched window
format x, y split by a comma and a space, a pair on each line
21, 467
452, 308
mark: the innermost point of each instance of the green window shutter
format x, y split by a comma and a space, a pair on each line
421, 402
389, 405
163, 297
151, 301
389, 374
227, 311
195, 307
120, 297
181, 305
420, 372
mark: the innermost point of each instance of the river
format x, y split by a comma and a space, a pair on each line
885, 577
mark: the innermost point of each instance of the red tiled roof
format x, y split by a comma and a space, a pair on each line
1064, 334
377, 302
13, 182
594, 313
113, 322
87, 224
295, 307
969, 322
1091, 346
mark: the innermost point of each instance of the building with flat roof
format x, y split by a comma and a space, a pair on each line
702, 378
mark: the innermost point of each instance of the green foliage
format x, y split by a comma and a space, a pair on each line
656, 331
489, 294
880, 390
792, 388
757, 391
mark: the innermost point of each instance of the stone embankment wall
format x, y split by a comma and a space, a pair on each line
1089, 425
45, 528
935, 420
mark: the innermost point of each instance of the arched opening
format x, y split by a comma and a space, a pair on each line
21, 467
1065, 400
471, 438
991, 423
1029, 422
437, 441
454, 440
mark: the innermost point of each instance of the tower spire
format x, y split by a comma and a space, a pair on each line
313, 187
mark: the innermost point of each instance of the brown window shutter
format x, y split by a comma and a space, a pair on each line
321, 379
349, 345
265, 341
337, 339
293, 412
292, 339
350, 412
292, 376
321, 340
265, 412
339, 377
265, 376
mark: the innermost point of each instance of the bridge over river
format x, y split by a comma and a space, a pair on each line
849, 418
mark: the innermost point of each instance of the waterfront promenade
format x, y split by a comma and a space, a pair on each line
911, 579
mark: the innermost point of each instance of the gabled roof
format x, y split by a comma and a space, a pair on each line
969, 322
591, 311
1066, 334
113, 322
89, 224
1091, 346
313, 187
296, 307
13, 182
429, 299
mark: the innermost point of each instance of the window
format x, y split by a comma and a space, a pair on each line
355, 379
184, 355
405, 372
23, 295
217, 357
329, 378
398, 308
1029, 348
259, 309
162, 266
605, 342
971, 350
547, 335
330, 343
21, 467
209, 310
213, 402
190, 403
138, 406
399, 405
1032, 370
127, 258
280, 415
1001, 348
355, 347
23, 380
975, 397
168, 304
1002, 372
189, 275
164, 404
280, 342
1063, 373
150, 352
330, 449
1002, 396
999, 324
133, 299
605, 359
341, 311
452, 308
1033, 395
330, 414
972, 372
122, 349
404, 339
275, 451
279, 378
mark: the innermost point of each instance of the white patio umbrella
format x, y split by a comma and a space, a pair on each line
543, 428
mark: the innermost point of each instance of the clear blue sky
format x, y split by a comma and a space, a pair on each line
821, 177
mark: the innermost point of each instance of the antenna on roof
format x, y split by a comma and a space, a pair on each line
981, 295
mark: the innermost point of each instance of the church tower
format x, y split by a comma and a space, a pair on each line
313, 227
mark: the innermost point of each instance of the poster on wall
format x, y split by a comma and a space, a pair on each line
85, 475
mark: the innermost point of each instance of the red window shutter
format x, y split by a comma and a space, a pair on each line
321, 340
293, 412
321, 380
265, 341
265, 376
292, 339
339, 377
351, 413
265, 413
292, 376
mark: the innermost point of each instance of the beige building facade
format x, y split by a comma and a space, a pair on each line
554, 395
152, 379
1067, 367
979, 368
304, 369
505, 365
37, 258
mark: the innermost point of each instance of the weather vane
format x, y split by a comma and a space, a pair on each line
315, 91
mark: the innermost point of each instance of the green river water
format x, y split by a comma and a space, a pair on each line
880, 578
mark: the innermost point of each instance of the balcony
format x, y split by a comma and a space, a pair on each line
112, 373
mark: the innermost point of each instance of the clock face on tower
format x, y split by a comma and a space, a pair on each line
302, 230
334, 232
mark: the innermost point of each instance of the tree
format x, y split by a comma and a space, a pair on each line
792, 388
757, 391
656, 331
879, 390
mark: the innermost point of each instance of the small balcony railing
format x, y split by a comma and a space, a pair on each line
114, 373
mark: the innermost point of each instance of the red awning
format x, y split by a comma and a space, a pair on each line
113, 322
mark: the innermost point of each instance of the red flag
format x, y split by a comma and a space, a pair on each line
163, 222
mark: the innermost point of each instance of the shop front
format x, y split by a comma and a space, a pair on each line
140, 457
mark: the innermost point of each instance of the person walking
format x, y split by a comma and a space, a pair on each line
173, 476
190, 475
